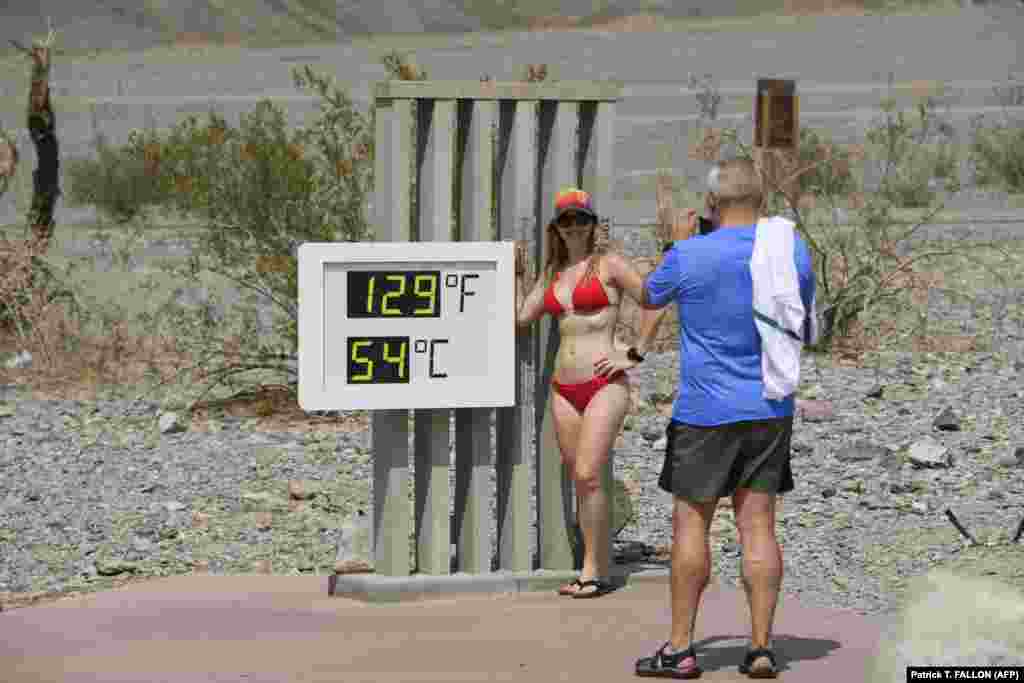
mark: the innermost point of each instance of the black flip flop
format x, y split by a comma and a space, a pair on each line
576, 582
600, 588
752, 656
662, 665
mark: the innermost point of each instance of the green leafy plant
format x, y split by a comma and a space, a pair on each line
865, 259
257, 191
997, 148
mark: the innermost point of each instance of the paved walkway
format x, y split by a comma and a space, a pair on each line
279, 629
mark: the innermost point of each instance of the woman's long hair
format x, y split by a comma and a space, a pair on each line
557, 257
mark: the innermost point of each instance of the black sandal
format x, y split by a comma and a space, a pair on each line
600, 588
662, 665
564, 589
752, 656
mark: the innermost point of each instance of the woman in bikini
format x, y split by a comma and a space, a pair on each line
582, 289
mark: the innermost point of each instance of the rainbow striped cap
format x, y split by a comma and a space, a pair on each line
573, 199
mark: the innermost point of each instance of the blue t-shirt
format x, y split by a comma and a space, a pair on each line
708, 276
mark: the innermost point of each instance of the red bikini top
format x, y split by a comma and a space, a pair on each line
586, 297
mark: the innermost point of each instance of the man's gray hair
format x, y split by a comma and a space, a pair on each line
713, 182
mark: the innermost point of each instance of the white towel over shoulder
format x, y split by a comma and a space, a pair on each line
778, 309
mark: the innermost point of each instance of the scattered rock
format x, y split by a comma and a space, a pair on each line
801, 448
170, 423
815, 411
114, 567
875, 391
262, 520
632, 551
1011, 459
929, 453
20, 361
651, 430
352, 567
947, 421
200, 520
301, 490
860, 451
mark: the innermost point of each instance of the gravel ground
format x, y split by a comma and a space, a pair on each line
87, 498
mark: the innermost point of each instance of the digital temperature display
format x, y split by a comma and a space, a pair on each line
394, 294
396, 325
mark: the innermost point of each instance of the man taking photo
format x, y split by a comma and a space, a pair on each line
730, 429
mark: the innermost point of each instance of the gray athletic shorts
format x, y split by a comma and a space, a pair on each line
704, 463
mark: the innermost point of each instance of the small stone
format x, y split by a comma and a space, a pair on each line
352, 567
1008, 460
876, 391
828, 492
262, 520
860, 451
947, 421
200, 520
816, 411
174, 506
20, 361
919, 507
651, 430
929, 453
114, 567
170, 424
301, 490
633, 551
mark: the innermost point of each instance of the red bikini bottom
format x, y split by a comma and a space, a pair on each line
579, 395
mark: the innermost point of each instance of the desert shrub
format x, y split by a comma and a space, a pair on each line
865, 260
258, 191
115, 182
29, 291
997, 152
913, 153
997, 149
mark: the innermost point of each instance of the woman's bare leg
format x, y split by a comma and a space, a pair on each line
567, 428
602, 422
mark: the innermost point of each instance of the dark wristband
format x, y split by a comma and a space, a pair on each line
634, 355
668, 245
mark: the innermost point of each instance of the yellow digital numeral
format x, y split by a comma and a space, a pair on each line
432, 280
368, 362
369, 295
384, 299
400, 361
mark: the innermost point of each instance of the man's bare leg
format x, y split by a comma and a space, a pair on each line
762, 563
691, 565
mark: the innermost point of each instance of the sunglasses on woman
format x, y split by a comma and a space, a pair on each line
581, 221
